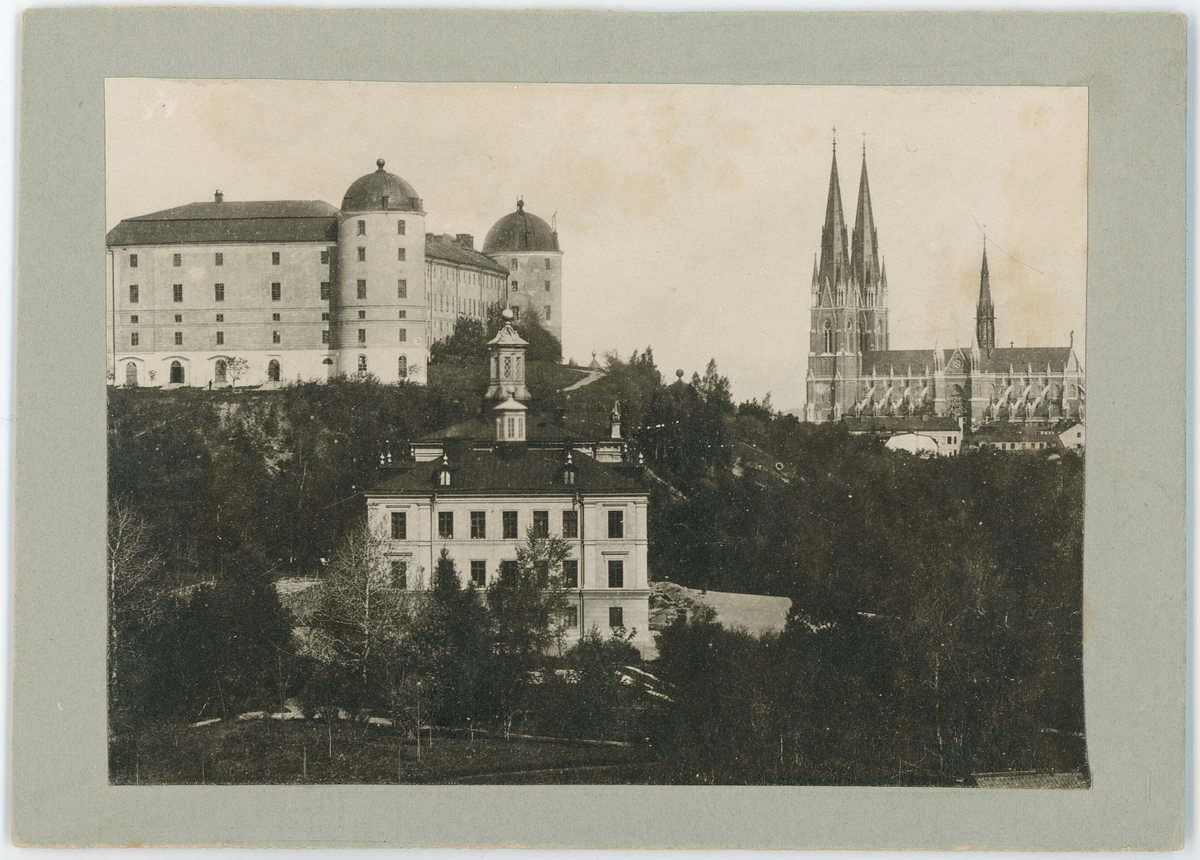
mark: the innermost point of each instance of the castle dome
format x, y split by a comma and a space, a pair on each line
381, 191
520, 231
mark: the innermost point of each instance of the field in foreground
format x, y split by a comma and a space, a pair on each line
301, 752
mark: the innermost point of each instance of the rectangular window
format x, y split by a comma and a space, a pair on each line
133, 319
276, 291
399, 525
616, 573
616, 524
325, 258
324, 291
400, 228
509, 522
274, 258
362, 335
362, 315
403, 315
616, 617
133, 261
133, 294
400, 255
220, 338
508, 569
177, 259
362, 288
516, 286
570, 573
571, 617
275, 317
547, 262
541, 524
514, 265
478, 524
400, 575
220, 317
325, 316
403, 335
570, 525
547, 286
446, 524
179, 318
547, 313
179, 338
325, 336
274, 337
479, 574
133, 339
362, 254
219, 292
177, 292
220, 259
402, 288
362, 228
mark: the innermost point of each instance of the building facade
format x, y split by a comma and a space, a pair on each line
262, 293
852, 372
479, 488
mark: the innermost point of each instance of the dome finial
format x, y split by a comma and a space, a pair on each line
506, 315
520, 203
379, 163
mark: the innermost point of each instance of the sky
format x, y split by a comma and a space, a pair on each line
688, 215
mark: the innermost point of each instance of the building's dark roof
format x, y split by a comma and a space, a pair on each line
517, 470
575, 426
917, 362
248, 221
446, 248
898, 362
368, 193
520, 231
1022, 359
1006, 431
900, 425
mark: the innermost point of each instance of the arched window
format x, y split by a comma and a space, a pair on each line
131, 374
219, 370
273, 371
362, 365
828, 336
176, 373
404, 367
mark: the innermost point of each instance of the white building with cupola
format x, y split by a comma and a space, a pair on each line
260, 293
479, 488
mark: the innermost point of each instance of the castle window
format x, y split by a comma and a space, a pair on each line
133, 294
362, 228
178, 318
400, 228
570, 575
177, 292
220, 338
547, 313
616, 524
324, 316
325, 258
176, 373
478, 525
616, 617
273, 370
219, 292
403, 335
362, 335
362, 254
276, 291
446, 520
400, 575
274, 258
402, 288
179, 338
541, 524
220, 317
403, 315
177, 259
362, 315
547, 262
516, 286
616, 573
570, 524
362, 288
275, 317
362, 364
399, 525
547, 286
402, 370
479, 573
325, 336
400, 254
133, 319
133, 338
508, 520
133, 261
324, 291
274, 337
219, 259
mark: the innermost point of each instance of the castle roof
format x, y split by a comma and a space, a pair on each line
513, 469
520, 231
381, 191
448, 249
230, 222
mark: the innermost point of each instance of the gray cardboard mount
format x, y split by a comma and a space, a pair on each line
1134, 66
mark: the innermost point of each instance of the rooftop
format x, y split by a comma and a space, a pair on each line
448, 248
520, 231
222, 222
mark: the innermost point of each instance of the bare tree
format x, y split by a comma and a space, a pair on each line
236, 368
136, 596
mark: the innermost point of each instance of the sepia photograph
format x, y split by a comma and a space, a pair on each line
622, 434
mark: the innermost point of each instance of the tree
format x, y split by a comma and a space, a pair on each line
366, 615
236, 368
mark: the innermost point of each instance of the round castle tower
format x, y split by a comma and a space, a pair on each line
528, 247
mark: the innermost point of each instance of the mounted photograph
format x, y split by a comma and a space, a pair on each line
480, 433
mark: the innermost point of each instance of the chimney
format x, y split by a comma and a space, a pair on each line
429, 237
219, 197
466, 240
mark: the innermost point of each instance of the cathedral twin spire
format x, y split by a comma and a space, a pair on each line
849, 265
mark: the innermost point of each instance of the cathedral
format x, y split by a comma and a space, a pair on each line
853, 373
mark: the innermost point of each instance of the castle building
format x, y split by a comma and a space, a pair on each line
528, 247
477, 488
264, 292
852, 372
